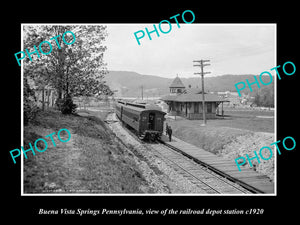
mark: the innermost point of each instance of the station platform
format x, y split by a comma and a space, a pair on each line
246, 175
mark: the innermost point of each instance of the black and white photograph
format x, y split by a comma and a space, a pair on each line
133, 113
137, 112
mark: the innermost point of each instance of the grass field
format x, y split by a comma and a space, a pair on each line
257, 121
219, 132
91, 162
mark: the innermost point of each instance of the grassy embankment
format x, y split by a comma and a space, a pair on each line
92, 161
239, 133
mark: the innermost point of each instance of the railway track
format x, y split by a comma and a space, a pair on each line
202, 176
206, 177
217, 173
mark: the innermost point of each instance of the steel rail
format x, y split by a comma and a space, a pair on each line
217, 171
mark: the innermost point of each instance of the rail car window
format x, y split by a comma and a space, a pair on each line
128, 113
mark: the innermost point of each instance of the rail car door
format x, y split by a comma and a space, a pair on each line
151, 121
159, 122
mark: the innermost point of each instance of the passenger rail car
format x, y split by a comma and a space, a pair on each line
146, 120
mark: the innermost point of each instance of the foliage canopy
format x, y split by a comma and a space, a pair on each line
73, 70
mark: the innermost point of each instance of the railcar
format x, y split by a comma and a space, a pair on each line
147, 120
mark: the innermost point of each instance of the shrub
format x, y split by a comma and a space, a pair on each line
59, 103
67, 106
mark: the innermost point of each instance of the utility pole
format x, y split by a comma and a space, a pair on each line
142, 92
202, 64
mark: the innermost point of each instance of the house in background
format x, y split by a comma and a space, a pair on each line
187, 102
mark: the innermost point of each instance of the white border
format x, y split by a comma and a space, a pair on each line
97, 194
22, 114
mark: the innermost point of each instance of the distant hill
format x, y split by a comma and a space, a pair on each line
129, 84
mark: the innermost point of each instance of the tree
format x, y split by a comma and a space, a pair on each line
72, 69
265, 96
29, 107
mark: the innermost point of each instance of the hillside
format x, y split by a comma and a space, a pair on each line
93, 161
129, 84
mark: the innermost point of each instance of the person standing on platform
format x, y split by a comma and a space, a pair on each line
170, 133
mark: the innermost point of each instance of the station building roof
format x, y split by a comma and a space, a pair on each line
192, 97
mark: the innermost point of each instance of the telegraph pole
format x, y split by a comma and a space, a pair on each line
142, 92
202, 64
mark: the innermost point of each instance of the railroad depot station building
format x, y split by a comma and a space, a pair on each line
187, 102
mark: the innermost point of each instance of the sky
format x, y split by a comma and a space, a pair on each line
231, 49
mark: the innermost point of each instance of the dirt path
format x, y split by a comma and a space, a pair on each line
71, 164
